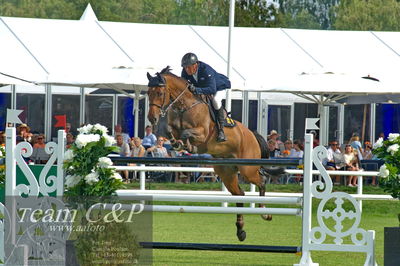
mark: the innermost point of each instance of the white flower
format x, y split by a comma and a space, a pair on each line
68, 155
85, 129
82, 140
117, 176
393, 148
1, 153
378, 143
72, 180
103, 129
92, 178
383, 171
109, 140
104, 162
393, 136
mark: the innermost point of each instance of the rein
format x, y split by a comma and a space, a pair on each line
163, 111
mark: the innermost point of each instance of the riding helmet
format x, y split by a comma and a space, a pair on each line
189, 59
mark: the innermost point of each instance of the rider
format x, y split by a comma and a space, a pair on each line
205, 80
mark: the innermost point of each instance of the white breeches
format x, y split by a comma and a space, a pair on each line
217, 99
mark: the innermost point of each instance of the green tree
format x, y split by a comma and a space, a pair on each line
377, 15
311, 14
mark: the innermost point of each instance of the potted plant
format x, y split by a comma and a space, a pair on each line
389, 151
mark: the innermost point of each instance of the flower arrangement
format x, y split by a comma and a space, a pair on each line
389, 173
86, 164
2, 165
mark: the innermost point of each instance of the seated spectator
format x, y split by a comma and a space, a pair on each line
137, 148
39, 154
123, 146
332, 162
273, 135
39, 142
118, 131
297, 151
288, 147
2, 138
68, 129
24, 133
351, 164
367, 154
356, 144
70, 140
273, 151
159, 150
124, 151
150, 139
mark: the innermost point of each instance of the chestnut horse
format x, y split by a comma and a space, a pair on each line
189, 120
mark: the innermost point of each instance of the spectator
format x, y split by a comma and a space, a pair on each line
124, 151
288, 147
124, 147
68, 128
24, 133
2, 138
297, 151
356, 144
351, 164
273, 151
150, 139
137, 148
273, 135
159, 150
70, 140
39, 142
118, 131
330, 163
367, 154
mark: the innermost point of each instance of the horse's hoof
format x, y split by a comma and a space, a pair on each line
267, 217
241, 235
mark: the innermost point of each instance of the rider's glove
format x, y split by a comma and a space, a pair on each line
192, 88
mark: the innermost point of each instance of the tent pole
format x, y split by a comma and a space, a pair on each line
82, 107
228, 101
136, 112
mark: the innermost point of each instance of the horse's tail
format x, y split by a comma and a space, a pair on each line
263, 145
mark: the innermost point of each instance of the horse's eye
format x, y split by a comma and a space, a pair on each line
159, 94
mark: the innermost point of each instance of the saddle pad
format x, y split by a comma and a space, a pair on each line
229, 122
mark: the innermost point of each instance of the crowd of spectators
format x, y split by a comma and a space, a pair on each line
348, 157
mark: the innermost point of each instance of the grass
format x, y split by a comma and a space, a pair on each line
282, 230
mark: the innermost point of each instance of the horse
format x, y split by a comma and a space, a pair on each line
189, 120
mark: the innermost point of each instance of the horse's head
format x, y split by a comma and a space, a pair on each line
158, 97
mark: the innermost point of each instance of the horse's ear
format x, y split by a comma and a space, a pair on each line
148, 76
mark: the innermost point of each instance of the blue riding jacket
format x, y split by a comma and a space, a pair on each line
208, 81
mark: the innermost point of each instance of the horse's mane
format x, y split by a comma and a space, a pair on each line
167, 70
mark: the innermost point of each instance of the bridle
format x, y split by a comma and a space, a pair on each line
164, 110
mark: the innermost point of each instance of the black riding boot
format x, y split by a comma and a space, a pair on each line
220, 125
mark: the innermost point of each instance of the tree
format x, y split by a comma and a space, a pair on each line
307, 13
377, 15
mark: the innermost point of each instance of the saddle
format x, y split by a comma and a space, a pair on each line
229, 122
